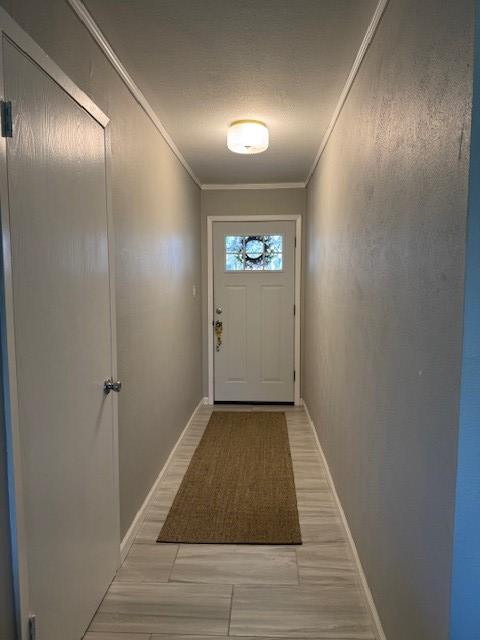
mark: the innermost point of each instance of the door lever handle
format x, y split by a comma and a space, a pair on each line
111, 385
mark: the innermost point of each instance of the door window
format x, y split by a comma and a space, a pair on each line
254, 253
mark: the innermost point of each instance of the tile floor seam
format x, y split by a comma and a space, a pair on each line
173, 563
230, 613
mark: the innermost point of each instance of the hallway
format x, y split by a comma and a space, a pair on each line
307, 591
210, 202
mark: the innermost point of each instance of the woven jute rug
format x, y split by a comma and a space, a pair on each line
239, 486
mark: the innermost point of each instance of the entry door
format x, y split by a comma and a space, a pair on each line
63, 346
254, 294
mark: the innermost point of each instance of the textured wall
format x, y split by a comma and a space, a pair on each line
156, 209
386, 218
241, 202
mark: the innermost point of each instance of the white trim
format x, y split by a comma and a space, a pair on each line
253, 186
255, 218
367, 39
10, 29
86, 17
380, 634
298, 308
18, 529
210, 345
298, 284
97, 34
137, 521
24, 42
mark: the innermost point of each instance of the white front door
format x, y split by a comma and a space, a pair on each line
63, 347
254, 295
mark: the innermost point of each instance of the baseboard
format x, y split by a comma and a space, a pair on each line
368, 594
137, 521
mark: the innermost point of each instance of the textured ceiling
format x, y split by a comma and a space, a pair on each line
204, 63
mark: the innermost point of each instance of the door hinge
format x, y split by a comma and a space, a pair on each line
7, 125
294, 309
294, 375
295, 242
32, 627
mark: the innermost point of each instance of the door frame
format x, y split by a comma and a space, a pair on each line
18, 534
297, 218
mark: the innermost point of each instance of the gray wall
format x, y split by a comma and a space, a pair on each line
386, 218
156, 209
241, 202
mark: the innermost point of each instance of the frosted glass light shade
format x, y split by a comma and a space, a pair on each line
247, 136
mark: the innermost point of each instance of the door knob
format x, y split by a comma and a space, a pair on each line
111, 385
219, 311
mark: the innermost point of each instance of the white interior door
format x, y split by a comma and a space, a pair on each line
254, 296
63, 347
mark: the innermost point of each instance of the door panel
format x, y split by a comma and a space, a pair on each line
254, 287
271, 343
63, 345
235, 323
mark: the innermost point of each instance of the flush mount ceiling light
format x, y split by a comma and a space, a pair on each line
247, 136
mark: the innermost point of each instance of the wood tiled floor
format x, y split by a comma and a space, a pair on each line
213, 592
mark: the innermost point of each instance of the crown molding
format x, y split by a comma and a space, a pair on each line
86, 17
367, 39
252, 186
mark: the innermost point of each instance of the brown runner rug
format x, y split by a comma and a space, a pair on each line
239, 486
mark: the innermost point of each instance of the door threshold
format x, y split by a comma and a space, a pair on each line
254, 402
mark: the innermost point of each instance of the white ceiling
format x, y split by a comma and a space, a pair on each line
203, 63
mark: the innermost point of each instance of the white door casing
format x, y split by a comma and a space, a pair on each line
59, 344
256, 360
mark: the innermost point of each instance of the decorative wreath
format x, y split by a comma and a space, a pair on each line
257, 257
